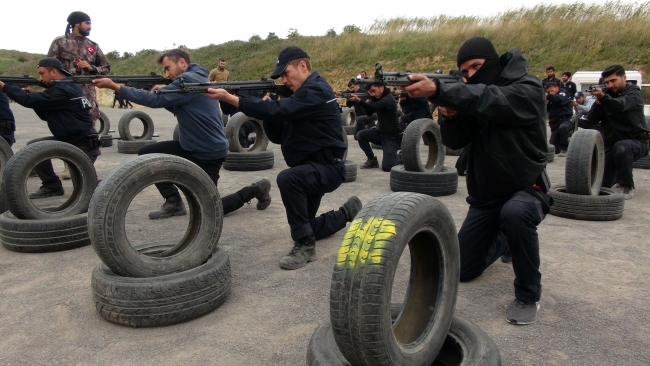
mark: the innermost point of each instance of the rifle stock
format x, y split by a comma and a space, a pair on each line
245, 88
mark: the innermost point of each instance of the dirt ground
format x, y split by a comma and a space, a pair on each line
594, 307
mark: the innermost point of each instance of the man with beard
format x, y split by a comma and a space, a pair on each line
619, 110
568, 85
500, 111
81, 56
550, 76
558, 106
201, 138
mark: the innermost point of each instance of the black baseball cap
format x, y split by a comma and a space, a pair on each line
579, 94
287, 55
53, 62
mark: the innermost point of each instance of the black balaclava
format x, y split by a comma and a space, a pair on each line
479, 47
76, 17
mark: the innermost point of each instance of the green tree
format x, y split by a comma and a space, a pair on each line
331, 33
255, 38
351, 29
272, 37
127, 55
113, 55
293, 33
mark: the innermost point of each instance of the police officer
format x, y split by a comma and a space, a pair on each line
363, 120
201, 138
560, 112
500, 111
7, 121
65, 109
387, 132
307, 125
619, 109
81, 56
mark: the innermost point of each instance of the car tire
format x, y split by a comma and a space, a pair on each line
428, 130
104, 124
16, 173
360, 309
348, 117
123, 127
585, 163
42, 236
550, 153
109, 205
106, 140
350, 171
249, 161
163, 300
132, 146
607, 206
434, 184
232, 134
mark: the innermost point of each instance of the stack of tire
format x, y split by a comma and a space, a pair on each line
158, 283
644, 162
348, 120
104, 128
128, 143
32, 229
256, 156
364, 327
583, 198
430, 177
5, 154
550, 154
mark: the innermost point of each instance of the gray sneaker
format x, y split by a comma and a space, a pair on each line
168, 209
263, 196
370, 163
521, 313
562, 154
44, 192
303, 252
351, 208
626, 191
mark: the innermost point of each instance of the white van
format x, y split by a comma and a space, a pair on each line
585, 79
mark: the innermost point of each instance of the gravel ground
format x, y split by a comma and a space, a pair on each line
593, 309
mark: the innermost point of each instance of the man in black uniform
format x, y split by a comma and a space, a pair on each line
307, 125
363, 120
413, 108
550, 76
568, 85
7, 121
500, 111
65, 109
387, 132
619, 109
560, 112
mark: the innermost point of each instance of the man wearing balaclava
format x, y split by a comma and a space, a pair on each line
500, 111
80, 55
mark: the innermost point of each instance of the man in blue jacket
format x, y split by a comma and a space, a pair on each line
201, 138
308, 127
65, 109
500, 111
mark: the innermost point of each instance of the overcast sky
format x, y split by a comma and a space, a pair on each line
135, 25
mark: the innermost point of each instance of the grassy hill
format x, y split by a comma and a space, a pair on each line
570, 37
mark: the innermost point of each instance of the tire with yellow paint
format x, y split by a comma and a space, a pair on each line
360, 295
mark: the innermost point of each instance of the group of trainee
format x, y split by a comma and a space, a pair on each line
498, 112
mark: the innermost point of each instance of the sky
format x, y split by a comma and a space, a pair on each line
135, 25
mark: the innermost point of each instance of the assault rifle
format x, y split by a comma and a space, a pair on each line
346, 94
135, 81
257, 88
402, 78
21, 81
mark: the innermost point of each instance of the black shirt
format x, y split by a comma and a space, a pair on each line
621, 116
559, 108
386, 109
63, 106
307, 122
5, 112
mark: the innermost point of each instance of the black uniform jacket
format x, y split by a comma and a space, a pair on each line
417, 107
559, 108
386, 109
63, 106
621, 116
504, 123
358, 109
5, 112
305, 123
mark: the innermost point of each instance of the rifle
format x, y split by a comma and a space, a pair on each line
135, 81
245, 88
346, 94
402, 78
21, 81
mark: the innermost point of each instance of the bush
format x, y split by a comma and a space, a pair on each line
255, 38
272, 37
330, 33
293, 33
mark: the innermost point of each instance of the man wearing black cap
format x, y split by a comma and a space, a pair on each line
582, 105
307, 125
80, 56
560, 111
65, 109
500, 111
